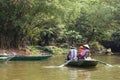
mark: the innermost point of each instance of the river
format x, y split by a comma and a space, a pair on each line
49, 70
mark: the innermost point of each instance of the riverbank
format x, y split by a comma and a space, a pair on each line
35, 50
17, 51
39, 50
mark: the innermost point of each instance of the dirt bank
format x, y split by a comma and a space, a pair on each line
17, 51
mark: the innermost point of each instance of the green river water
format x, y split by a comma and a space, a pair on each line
49, 70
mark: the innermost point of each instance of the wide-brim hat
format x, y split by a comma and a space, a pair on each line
87, 46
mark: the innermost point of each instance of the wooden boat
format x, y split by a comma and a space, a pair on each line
26, 58
83, 63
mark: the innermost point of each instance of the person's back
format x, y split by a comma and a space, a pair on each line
72, 54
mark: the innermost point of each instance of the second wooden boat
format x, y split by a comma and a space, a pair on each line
26, 58
3, 58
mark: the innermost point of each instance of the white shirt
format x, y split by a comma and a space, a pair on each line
73, 54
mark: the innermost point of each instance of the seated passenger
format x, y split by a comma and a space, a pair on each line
72, 55
86, 53
80, 52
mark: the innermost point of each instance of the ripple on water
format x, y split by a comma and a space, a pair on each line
52, 67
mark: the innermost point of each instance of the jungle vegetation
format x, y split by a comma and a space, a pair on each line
58, 22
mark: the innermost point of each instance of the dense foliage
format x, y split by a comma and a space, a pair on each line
56, 22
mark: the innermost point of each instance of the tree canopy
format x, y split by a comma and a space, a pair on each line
51, 22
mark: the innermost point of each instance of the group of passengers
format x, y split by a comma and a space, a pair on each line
82, 54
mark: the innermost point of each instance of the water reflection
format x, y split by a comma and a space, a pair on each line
85, 75
73, 74
80, 74
49, 70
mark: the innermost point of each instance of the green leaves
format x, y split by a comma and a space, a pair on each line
51, 21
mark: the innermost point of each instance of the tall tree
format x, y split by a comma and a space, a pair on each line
95, 21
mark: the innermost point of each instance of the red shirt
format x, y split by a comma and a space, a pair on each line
80, 51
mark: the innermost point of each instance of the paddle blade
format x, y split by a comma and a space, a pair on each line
109, 65
105, 63
64, 63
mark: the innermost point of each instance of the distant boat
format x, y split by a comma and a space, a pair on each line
3, 58
25, 58
83, 63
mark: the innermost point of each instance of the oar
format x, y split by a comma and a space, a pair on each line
105, 63
9, 58
65, 63
14, 54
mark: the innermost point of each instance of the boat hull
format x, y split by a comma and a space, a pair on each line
3, 58
83, 63
28, 58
